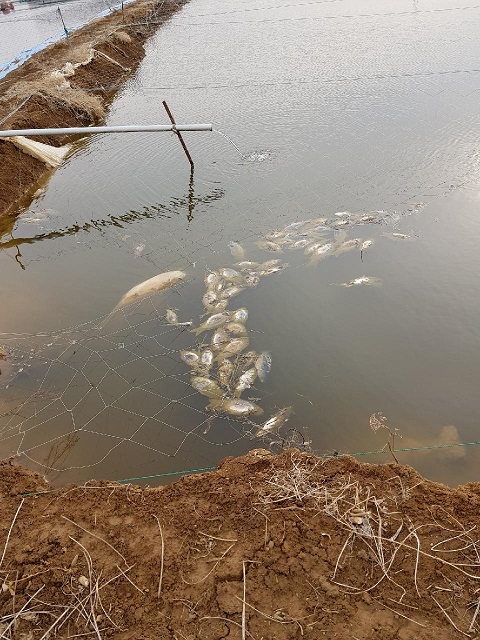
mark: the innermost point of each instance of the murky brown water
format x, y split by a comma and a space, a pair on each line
340, 105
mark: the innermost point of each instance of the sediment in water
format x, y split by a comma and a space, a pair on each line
275, 546
104, 52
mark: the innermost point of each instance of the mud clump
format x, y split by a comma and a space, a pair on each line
67, 86
274, 546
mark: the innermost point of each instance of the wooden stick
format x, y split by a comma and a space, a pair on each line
182, 142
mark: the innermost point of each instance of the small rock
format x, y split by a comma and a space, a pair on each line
83, 581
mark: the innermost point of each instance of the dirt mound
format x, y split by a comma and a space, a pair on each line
66, 86
285, 546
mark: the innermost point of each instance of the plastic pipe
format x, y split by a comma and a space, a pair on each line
118, 129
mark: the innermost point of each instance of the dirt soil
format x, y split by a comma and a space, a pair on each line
266, 547
51, 103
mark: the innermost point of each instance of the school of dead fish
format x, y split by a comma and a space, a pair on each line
222, 366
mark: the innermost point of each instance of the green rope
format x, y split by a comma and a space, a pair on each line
325, 456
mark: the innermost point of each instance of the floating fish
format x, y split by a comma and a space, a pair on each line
263, 365
236, 328
225, 372
240, 315
247, 264
251, 280
220, 339
245, 360
231, 292
321, 252
210, 298
206, 359
207, 387
218, 307
217, 320
269, 264
238, 407
236, 249
151, 286
270, 246
275, 422
272, 270
311, 248
348, 245
274, 235
236, 345
294, 226
171, 316
212, 280
190, 357
399, 236
300, 244
366, 245
343, 214
231, 275
367, 280
245, 381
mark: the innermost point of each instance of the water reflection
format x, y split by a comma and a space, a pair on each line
176, 206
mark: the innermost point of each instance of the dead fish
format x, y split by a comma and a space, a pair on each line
236, 345
275, 422
348, 245
210, 298
270, 246
321, 252
225, 372
239, 407
231, 292
399, 236
246, 264
295, 226
272, 270
151, 286
212, 280
217, 320
231, 275
236, 249
342, 214
300, 244
218, 307
311, 248
240, 315
207, 387
245, 360
171, 316
236, 328
251, 280
263, 365
361, 280
269, 264
220, 339
274, 235
190, 357
206, 359
245, 381
366, 244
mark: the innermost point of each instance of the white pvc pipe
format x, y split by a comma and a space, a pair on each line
116, 129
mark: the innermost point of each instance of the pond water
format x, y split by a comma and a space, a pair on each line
31, 23
341, 105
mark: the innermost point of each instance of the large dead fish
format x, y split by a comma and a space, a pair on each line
151, 286
275, 422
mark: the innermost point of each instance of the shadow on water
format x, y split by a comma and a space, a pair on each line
155, 211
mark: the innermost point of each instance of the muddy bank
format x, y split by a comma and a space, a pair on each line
285, 546
101, 55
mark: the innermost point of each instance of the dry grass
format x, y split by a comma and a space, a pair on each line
51, 90
375, 530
